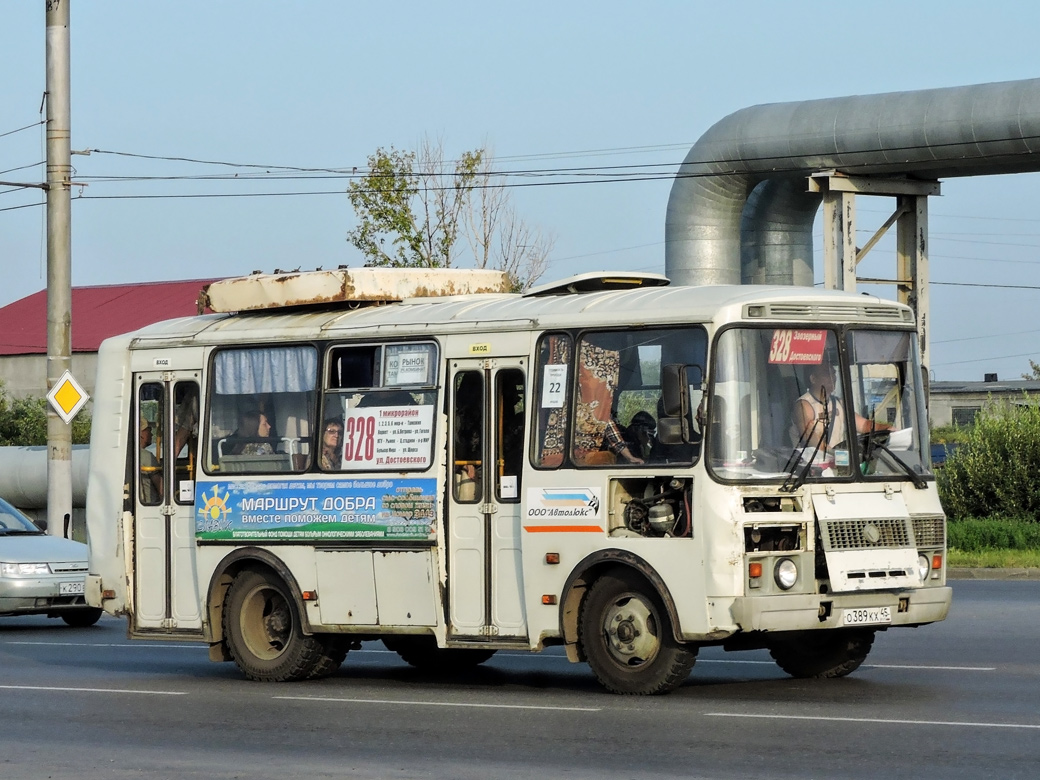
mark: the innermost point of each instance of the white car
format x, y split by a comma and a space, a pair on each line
41, 574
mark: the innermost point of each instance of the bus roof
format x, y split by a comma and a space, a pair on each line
485, 313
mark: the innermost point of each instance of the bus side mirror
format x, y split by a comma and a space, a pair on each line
680, 392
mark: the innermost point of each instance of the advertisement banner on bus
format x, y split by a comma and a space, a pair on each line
373, 509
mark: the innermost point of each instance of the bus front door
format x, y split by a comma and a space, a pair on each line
166, 593
485, 575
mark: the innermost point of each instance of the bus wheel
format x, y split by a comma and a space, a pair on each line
833, 653
627, 637
263, 633
82, 618
423, 653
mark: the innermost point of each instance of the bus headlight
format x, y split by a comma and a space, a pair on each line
785, 573
923, 566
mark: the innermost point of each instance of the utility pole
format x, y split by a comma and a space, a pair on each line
59, 261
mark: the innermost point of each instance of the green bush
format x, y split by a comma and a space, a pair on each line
974, 535
995, 472
23, 422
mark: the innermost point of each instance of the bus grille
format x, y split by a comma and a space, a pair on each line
861, 534
930, 531
838, 311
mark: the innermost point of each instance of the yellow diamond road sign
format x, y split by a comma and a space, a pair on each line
67, 397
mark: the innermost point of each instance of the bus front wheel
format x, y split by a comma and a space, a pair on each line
264, 635
627, 637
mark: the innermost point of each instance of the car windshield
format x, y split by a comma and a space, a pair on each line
14, 522
783, 406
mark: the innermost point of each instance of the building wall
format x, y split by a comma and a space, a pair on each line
26, 375
943, 406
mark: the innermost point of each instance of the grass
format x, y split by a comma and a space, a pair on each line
993, 559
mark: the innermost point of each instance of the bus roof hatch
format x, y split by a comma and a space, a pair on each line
598, 281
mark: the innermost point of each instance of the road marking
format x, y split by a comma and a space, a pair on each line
771, 663
440, 704
134, 645
89, 690
893, 721
940, 668
188, 646
864, 666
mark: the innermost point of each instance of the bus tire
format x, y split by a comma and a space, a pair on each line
823, 654
333, 651
627, 637
423, 654
264, 635
82, 618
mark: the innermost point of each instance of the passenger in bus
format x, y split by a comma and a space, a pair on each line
818, 421
151, 474
331, 445
640, 434
248, 439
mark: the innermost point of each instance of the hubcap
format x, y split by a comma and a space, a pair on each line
631, 631
266, 622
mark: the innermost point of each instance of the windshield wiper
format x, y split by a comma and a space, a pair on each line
917, 479
878, 440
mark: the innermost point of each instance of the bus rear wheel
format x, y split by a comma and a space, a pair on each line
422, 653
264, 636
822, 654
627, 637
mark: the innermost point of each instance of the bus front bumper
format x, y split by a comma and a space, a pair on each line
837, 610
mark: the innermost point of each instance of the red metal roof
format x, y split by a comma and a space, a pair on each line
97, 313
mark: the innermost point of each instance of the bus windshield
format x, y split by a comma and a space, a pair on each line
789, 404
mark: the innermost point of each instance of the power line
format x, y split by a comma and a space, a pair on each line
997, 286
983, 360
27, 127
24, 206
979, 338
23, 167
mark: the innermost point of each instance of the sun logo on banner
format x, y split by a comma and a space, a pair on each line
214, 511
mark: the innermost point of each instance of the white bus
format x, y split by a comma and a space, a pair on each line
629, 470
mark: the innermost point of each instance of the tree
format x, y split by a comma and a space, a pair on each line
1036, 371
413, 207
498, 237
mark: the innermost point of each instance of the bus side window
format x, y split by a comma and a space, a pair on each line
467, 436
185, 440
552, 392
509, 436
274, 386
150, 413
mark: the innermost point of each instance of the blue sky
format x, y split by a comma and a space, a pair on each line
547, 85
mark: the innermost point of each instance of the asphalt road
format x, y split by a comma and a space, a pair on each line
959, 699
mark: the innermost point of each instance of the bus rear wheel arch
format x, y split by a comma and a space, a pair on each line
264, 633
627, 638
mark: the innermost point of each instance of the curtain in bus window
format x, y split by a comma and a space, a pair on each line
553, 399
594, 429
267, 370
